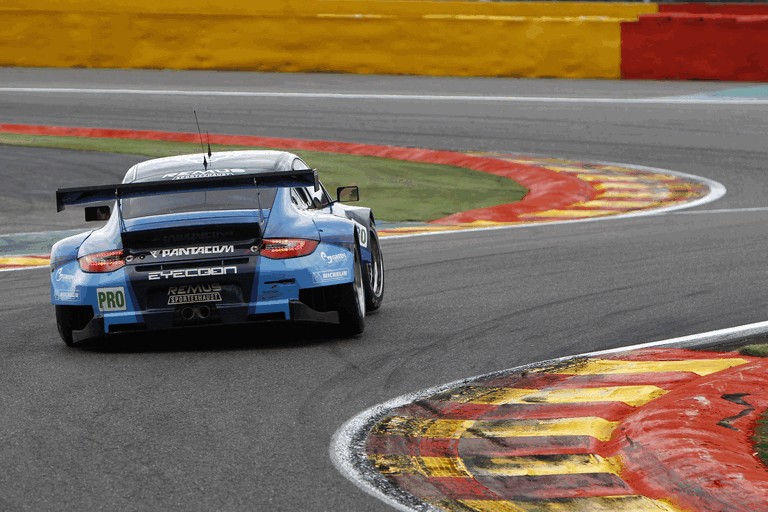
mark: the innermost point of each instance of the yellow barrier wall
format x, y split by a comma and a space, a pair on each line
487, 8
351, 36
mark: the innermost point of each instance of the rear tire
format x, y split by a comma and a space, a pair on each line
66, 321
352, 301
374, 275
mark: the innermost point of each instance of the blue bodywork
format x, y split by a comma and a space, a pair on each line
181, 265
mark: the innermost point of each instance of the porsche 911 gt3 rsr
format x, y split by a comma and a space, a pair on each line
224, 238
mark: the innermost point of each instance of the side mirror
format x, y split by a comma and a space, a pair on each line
96, 213
347, 194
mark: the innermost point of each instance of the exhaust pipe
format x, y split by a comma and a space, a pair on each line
200, 312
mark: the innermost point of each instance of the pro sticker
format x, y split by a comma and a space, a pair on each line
111, 299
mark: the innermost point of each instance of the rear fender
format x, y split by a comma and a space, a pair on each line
66, 249
104, 239
285, 221
362, 219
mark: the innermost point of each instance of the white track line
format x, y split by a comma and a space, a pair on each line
348, 443
682, 100
23, 268
726, 210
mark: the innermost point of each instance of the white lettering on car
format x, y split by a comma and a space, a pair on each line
211, 173
192, 293
194, 288
362, 234
71, 295
192, 251
333, 258
330, 275
61, 276
191, 272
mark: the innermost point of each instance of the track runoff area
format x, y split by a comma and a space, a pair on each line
663, 426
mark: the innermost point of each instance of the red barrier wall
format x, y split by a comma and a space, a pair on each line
685, 46
715, 8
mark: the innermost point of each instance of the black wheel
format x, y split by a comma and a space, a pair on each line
65, 322
374, 281
352, 302
72, 318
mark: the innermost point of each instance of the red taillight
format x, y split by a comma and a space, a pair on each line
107, 261
281, 248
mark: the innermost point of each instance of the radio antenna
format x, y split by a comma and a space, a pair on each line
205, 161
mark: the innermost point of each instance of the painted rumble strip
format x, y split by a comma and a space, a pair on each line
641, 430
615, 190
19, 262
558, 190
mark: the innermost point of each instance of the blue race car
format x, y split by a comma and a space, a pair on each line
224, 238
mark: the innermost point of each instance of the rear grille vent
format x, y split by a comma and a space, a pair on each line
181, 236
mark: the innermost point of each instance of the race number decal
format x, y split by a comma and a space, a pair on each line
111, 299
362, 234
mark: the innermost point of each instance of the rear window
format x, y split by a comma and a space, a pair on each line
198, 201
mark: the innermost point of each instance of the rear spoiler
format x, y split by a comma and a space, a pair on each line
102, 193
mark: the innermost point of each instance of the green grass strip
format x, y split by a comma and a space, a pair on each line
397, 190
755, 350
760, 437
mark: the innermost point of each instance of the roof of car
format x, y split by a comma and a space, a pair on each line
224, 163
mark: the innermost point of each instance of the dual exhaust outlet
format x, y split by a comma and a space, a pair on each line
195, 312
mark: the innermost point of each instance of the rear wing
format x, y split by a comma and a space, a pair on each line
103, 193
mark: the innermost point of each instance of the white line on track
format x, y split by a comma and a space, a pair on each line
726, 210
348, 443
23, 268
674, 100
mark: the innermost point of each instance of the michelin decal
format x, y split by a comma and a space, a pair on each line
326, 276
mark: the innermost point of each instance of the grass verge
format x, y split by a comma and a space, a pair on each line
397, 190
760, 437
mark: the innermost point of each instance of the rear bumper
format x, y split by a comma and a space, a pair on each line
237, 315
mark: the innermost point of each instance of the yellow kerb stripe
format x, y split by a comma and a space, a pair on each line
634, 186
539, 466
398, 465
571, 213
609, 366
639, 179
630, 395
455, 429
659, 196
562, 168
586, 426
620, 204
482, 506
422, 427
24, 261
592, 504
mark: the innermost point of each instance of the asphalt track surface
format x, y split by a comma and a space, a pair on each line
243, 420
